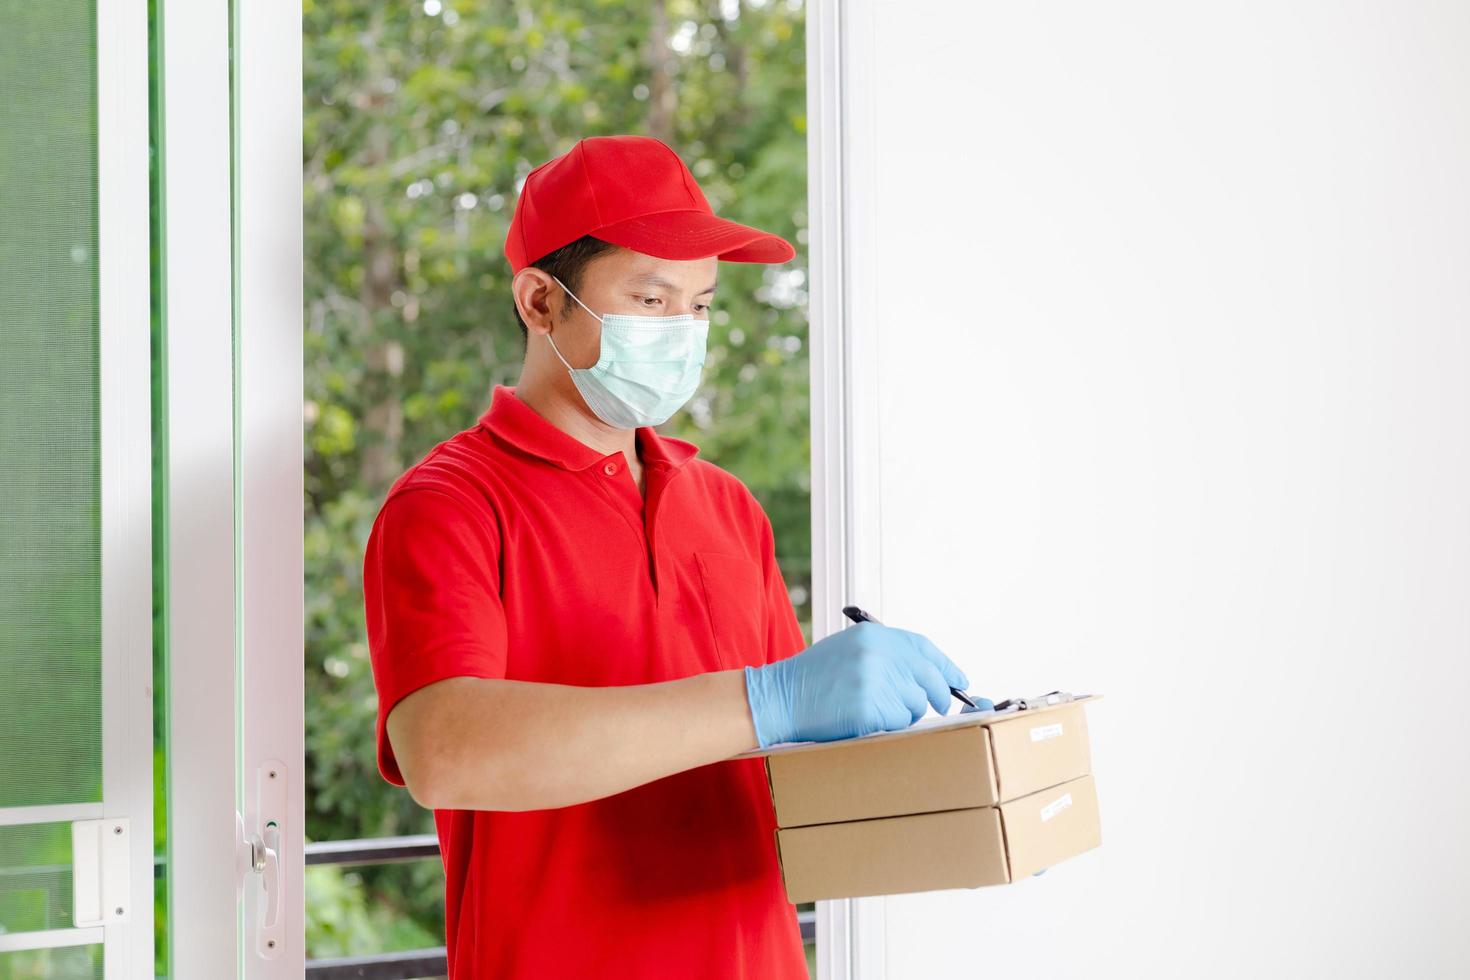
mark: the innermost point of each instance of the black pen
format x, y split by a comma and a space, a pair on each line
857, 616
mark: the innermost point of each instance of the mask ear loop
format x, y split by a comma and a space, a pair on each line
579, 303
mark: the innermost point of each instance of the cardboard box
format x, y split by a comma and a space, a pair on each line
983, 845
954, 801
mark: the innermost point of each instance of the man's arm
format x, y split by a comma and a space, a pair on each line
472, 743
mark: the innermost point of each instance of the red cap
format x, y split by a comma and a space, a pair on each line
633, 191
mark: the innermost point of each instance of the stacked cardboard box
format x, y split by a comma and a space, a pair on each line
955, 801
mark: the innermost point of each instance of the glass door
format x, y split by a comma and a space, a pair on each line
150, 490
76, 737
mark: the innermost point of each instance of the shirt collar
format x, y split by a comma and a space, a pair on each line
523, 427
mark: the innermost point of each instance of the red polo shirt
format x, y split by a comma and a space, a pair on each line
514, 550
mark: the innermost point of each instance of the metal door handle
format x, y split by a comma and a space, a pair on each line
265, 860
262, 851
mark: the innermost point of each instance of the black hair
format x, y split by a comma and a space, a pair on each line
567, 264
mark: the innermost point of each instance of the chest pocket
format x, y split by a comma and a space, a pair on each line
734, 596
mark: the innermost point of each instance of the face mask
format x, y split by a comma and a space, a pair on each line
649, 366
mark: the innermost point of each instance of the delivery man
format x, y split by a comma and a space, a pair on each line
574, 619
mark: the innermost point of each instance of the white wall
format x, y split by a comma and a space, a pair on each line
1174, 384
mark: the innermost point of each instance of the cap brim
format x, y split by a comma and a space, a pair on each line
694, 234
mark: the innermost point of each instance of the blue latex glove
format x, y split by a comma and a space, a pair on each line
865, 678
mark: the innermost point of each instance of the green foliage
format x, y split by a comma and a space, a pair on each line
346, 921
420, 122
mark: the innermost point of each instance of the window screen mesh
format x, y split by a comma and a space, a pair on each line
35, 878
50, 544
67, 963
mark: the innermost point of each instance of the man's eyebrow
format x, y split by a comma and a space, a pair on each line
650, 279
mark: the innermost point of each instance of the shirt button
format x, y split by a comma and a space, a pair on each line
610, 468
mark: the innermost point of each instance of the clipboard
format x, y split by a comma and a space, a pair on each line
930, 723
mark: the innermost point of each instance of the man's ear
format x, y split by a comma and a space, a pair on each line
534, 292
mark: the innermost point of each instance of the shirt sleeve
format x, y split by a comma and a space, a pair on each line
783, 629
431, 592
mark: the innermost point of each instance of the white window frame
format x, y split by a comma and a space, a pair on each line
270, 457
232, 257
850, 933
126, 458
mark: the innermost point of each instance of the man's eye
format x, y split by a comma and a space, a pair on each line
701, 307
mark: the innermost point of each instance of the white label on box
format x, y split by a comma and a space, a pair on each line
1045, 732
1056, 806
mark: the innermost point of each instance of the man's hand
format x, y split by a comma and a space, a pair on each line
865, 678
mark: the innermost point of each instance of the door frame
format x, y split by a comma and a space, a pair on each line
270, 454
844, 342
231, 251
125, 393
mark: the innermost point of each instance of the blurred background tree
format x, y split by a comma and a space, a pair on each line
422, 120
